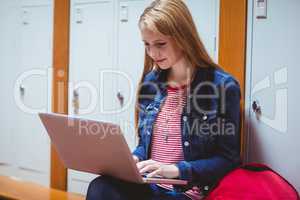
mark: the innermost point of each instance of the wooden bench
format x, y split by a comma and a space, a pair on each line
12, 189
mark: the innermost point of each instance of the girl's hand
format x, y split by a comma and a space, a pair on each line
155, 168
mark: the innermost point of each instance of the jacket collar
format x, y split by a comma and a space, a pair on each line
201, 74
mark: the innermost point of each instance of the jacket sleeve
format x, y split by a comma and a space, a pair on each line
143, 99
227, 151
140, 151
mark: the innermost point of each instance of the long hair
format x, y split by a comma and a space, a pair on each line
173, 18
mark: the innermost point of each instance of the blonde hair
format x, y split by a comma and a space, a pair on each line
173, 18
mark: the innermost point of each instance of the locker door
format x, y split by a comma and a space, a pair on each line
206, 15
130, 64
91, 52
32, 91
273, 52
8, 49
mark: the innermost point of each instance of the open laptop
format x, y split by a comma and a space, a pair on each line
95, 147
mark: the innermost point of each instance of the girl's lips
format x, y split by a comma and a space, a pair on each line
160, 60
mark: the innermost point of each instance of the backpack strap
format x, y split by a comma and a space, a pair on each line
255, 167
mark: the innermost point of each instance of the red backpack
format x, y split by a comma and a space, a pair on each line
253, 182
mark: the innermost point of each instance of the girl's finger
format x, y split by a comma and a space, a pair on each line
142, 164
156, 172
149, 168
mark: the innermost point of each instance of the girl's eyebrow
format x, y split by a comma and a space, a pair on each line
159, 40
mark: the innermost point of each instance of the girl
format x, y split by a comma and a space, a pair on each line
187, 112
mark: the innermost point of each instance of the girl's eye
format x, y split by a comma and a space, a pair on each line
161, 44
147, 46
157, 45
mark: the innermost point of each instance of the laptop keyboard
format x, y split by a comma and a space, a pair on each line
144, 175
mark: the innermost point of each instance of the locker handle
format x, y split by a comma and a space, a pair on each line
22, 89
120, 98
256, 107
76, 102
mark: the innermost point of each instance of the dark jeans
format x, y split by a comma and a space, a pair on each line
108, 188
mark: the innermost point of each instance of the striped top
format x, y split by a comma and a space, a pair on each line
166, 138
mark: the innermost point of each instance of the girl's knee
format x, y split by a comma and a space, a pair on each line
102, 187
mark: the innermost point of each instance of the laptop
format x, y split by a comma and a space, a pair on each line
95, 147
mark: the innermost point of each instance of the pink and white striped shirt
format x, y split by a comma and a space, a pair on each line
166, 138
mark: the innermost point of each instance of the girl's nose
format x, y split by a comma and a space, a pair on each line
153, 53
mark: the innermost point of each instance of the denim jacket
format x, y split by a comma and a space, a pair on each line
210, 124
